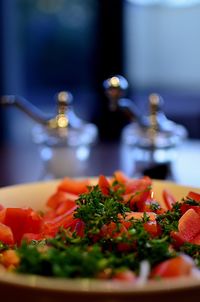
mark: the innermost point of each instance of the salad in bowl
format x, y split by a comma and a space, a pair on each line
107, 229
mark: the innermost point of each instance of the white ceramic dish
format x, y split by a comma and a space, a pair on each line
41, 289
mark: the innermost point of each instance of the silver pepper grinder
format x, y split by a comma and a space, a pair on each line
152, 139
64, 140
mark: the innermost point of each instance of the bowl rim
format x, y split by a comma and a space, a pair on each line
101, 287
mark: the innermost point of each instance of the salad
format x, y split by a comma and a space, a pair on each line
113, 230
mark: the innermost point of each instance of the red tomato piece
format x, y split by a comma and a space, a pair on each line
147, 207
126, 275
56, 199
129, 198
49, 215
6, 234
178, 239
1, 207
189, 225
138, 191
168, 198
22, 221
28, 237
120, 177
193, 195
15, 218
185, 207
66, 206
104, 185
78, 227
138, 185
74, 186
196, 240
51, 227
10, 258
2, 215
33, 222
175, 267
152, 228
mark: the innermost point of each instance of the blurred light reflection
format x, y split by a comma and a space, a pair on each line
173, 3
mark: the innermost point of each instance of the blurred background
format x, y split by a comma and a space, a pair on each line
52, 45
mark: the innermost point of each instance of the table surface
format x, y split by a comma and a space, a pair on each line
22, 164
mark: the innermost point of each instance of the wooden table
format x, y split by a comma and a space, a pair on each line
20, 164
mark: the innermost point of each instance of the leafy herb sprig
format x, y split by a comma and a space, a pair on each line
96, 209
169, 220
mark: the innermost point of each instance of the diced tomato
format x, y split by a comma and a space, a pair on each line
58, 219
196, 239
104, 185
22, 220
111, 230
185, 207
188, 228
152, 228
175, 267
193, 195
2, 215
33, 222
178, 239
120, 177
15, 218
189, 225
138, 185
51, 227
66, 206
129, 198
63, 207
10, 258
28, 237
49, 215
6, 234
74, 186
168, 198
126, 275
137, 191
1, 207
148, 207
78, 227
56, 199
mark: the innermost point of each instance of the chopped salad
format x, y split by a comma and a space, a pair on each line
114, 230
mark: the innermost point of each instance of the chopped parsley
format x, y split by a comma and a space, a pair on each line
169, 220
96, 209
